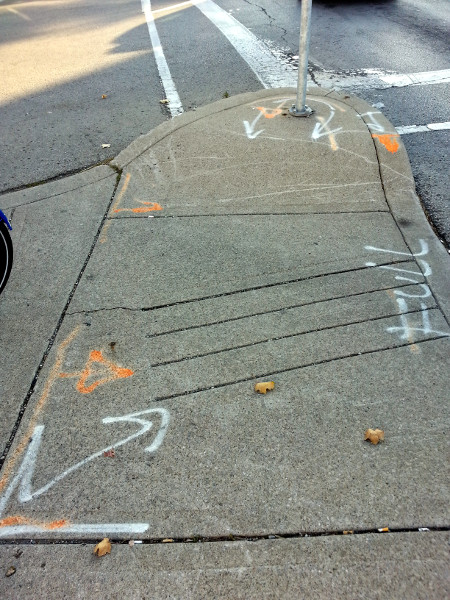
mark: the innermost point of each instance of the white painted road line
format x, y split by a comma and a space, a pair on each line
424, 78
380, 80
423, 128
268, 69
170, 91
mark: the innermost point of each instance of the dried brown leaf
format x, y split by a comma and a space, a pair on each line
264, 386
103, 547
374, 436
109, 453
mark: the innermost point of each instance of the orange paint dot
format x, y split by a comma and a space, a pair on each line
389, 141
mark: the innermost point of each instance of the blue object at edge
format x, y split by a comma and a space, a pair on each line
3, 218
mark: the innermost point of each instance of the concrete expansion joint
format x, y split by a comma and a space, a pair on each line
284, 337
272, 374
252, 289
59, 177
227, 538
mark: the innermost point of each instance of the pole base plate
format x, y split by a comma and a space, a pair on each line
306, 111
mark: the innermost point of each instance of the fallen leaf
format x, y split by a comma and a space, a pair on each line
18, 553
264, 386
103, 547
167, 541
374, 436
109, 453
106, 145
104, 96
10, 571
165, 101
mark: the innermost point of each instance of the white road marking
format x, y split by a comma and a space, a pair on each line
423, 78
423, 128
94, 528
268, 69
170, 91
377, 79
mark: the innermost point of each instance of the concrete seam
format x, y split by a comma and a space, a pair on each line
241, 291
230, 537
79, 187
296, 368
32, 387
286, 336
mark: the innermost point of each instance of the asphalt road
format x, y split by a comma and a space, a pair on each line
83, 78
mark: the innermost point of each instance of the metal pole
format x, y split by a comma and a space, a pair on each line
299, 109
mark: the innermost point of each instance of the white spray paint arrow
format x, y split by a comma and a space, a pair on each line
25, 474
322, 129
250, 127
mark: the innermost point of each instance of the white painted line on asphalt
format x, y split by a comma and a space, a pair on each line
439, 126
268, 69
378, 79
423, 78
169, 8
94, 528
423, 128
170, 91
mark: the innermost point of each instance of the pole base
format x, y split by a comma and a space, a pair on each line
304, 112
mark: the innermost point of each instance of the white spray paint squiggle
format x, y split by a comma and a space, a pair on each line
406, 330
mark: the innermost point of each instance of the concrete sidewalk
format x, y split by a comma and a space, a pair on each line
231, 245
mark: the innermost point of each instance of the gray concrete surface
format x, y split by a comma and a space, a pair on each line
53, 231
349, 567
297, 255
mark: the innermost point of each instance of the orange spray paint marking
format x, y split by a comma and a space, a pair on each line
389, 141
115, 372
19, 520
149, 207
269, 113
53, 375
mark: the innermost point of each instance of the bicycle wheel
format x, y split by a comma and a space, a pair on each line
6, 255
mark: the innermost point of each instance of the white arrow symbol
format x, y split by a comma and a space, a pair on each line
322, 129
25, 474
250, 128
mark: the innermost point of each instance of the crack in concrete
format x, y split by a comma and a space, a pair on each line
253, 214
58, 178
270, 375
240, 291
275, 310
230, 537
288, 336
32, 387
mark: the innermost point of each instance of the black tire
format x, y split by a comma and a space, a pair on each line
6, 255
